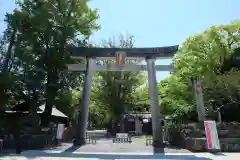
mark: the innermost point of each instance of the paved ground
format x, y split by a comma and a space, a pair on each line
31, 155
106, 145
105, 149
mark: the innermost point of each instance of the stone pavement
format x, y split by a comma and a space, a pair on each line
106, 145
38, 155
105, 149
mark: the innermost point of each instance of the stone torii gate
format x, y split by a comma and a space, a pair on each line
148, 54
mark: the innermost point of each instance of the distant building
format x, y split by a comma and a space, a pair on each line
137, 122
20, 112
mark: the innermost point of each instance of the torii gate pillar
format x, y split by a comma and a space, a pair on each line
84, 104
155, 109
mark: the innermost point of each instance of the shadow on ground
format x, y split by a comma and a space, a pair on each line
72, 152
34, 154
72, 149
121, 151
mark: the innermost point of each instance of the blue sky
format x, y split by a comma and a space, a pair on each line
154, 23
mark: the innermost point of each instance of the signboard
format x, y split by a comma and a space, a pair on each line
120, 58
145, 120
212, 135
45, 129
60, 131
121, 135
131, 120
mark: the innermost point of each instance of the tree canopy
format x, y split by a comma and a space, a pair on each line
38, 33
33, 60
209, 55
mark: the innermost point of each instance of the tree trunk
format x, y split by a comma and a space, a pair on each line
50, 97
33, 117
9, 51
4, 98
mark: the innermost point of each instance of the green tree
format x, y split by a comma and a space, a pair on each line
140, 98
207, 55
113, 90
204, 54
176, 98
46, 29
6, 46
